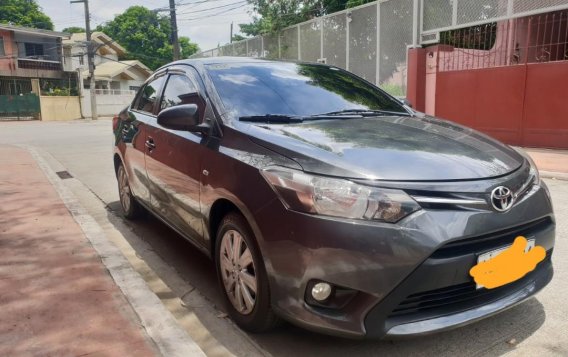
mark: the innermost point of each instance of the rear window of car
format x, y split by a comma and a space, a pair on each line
294, 89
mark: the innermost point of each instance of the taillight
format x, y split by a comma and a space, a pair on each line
115, 123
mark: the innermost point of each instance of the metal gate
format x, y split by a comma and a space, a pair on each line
506, 79
17, 100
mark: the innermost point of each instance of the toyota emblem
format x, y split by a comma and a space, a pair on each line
502, 198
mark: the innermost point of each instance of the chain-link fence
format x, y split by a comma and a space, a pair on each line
372, 40
349, 39
439, 15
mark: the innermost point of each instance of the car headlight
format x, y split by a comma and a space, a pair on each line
533, 172
338, 198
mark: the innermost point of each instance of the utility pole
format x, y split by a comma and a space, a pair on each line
90, 58
231, 32
175, 39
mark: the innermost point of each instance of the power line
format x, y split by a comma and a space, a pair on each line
213, 8
195, 2
213, 15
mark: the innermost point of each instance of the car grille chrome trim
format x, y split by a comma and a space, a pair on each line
449, 201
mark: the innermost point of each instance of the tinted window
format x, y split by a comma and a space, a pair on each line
179, 90
149, 95
2, 53
294, 89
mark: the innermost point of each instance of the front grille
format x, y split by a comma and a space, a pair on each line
492, 240
458, 297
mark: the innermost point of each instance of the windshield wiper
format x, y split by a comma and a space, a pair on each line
272, 118
363, 112
342, 114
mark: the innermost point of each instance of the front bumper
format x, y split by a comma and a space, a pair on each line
499, 300
411, 278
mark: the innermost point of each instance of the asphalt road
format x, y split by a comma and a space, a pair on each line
175, 270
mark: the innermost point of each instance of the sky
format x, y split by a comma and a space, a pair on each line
206, 23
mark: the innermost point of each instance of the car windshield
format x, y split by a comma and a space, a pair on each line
258, 89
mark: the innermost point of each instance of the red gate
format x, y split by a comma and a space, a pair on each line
506, 79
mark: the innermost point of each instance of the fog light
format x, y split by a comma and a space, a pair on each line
321, 291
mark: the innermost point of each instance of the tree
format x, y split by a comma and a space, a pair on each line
146, 36
73, 29
24, 13
237, 38
187, 47
276, 15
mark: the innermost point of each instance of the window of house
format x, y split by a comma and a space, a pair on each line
2, 52
134, 88
149, 95
81, 60
34, 49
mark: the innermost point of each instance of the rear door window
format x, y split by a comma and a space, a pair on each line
149, 95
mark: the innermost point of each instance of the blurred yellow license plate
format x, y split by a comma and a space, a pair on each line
492, 254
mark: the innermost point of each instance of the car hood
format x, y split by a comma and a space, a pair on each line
389, 148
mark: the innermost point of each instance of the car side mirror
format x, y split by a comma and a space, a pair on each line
182, 117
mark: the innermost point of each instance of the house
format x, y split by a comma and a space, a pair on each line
33, 80
30, 53
110, 72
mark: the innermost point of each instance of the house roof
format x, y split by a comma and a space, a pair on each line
47, 33
123, 70
108, 45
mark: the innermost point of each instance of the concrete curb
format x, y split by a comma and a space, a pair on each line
158, 322
554, 175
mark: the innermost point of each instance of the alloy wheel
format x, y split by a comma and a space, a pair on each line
238, 272
124, 190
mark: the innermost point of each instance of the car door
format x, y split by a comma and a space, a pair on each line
173, 160
133, 135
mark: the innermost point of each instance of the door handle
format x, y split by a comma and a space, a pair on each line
150, 144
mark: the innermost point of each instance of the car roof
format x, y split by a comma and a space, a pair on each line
221, 60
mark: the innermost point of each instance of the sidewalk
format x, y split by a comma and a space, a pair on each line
56, 296
551, 163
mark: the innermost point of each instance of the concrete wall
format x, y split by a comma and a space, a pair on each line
107, 104
60, 108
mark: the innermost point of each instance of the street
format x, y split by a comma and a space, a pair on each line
185, 280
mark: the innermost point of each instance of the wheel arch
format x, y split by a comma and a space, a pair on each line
117, 162
219, 209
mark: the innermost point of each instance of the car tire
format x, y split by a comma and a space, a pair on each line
131, 209
243, 274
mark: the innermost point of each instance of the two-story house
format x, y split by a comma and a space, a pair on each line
31, 64
110, 72
30, 53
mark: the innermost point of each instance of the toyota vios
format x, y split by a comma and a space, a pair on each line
326, 202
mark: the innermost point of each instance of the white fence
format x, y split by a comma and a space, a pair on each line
109, 102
